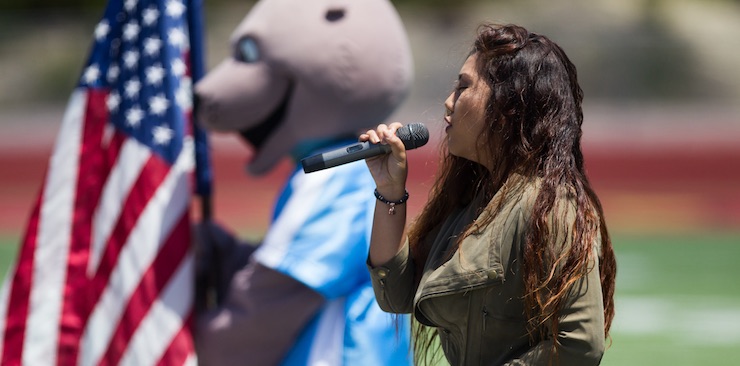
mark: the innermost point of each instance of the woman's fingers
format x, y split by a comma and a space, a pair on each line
389, 171
386, 134
395, 126
382, 134
372, 136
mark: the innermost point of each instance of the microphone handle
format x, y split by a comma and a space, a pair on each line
354, 152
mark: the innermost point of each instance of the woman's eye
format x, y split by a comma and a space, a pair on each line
247, 50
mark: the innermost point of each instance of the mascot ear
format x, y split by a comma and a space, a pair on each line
334, 14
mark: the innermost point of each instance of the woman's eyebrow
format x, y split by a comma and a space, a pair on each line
463, 77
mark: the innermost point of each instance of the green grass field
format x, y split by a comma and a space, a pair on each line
678, 299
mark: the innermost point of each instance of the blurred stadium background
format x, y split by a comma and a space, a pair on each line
661, 139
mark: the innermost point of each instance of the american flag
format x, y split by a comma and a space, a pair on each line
104, 274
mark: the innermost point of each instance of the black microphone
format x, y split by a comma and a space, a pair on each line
413, 135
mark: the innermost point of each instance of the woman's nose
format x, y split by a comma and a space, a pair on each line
449, 104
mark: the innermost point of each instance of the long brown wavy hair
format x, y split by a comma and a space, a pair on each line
534, 117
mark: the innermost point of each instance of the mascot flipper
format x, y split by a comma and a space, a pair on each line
305, 76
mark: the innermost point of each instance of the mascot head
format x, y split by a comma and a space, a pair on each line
307, 71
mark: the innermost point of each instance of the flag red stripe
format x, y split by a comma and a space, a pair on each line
20, 290
176, 353
92, 173
155, 279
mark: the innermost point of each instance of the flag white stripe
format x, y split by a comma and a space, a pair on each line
164, 320
108, 132
53, 240
154, 224
132, 158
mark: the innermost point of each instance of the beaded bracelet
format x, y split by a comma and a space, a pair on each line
392, 209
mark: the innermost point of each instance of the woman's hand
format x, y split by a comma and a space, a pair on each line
390, 170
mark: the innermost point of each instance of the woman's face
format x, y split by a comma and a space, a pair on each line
465, 115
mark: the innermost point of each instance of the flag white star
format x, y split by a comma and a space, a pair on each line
178, 67
150, 15
158, 104
130, 59
162, 135
175, 8
152, 46
134, 116
177, 38
155, 74
131, 30
132, 88
184, 96
102, 29
91, 74
130, 5
112, 101
113, 72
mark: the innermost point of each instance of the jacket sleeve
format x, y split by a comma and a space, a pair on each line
393, 282
581, 329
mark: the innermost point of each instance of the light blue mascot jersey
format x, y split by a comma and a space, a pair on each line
320, 236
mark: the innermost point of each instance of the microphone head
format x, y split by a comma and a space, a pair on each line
413, 135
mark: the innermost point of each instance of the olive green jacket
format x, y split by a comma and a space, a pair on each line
474, 298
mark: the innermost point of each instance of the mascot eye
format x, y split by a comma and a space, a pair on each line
247, 50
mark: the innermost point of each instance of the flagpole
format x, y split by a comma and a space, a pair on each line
203, 173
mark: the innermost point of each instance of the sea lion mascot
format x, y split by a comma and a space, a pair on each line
305, 76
